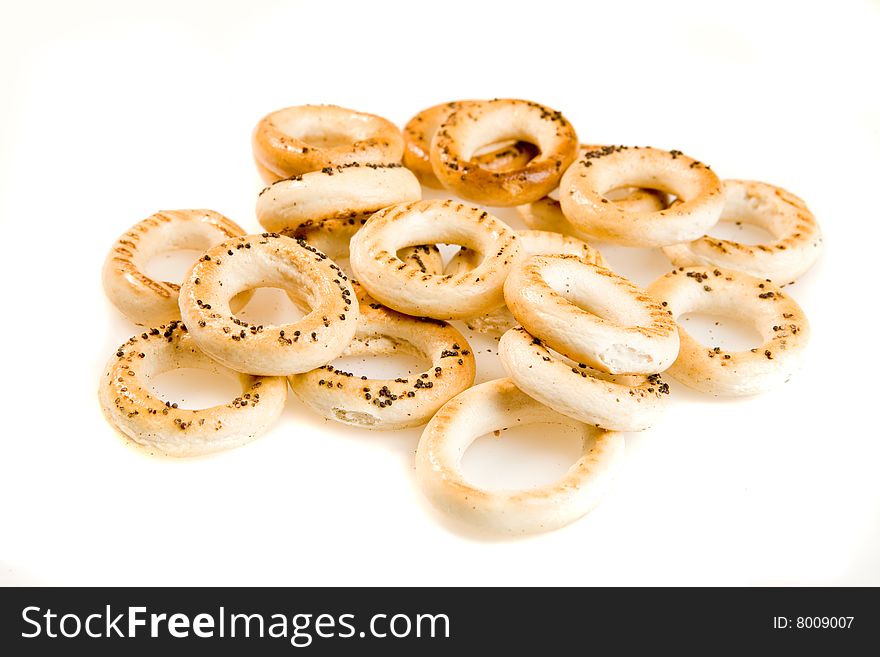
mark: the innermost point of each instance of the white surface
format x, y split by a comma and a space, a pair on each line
110, 114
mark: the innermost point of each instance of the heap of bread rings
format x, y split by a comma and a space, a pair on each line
582, 345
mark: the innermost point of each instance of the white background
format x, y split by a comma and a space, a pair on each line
112, 111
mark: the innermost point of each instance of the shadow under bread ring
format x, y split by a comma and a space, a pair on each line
407, 401
777, 318
269, 260
591, 315
133, 409
405, 288
497, 405
140, 298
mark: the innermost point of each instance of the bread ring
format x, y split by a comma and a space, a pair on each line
418, 133
296, 140
333, 193
137, 296
333, 237
391, 404
611, 401
407, 289
531, 242
129, 405
798, 239
497, 405
697, 187
489, 122
269, 260
777, 318
625, 331
546, 212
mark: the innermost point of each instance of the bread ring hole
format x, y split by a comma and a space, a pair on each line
506, 155
640, 265
172, 265
272, 306
318, 132
522, 457
423, 256
195, 388
742, 231
382, 357
624, 193
731, 334
327, 139
470, 257
501, 124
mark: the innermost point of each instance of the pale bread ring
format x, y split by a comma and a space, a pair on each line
497, 405
132, 408
698, 189
137, 296
269, 260
777, 318
334, 193
488, 122
531, 242
611, 401
407, 289
419, 131
796, 248
296, 140
591, 315
408, 401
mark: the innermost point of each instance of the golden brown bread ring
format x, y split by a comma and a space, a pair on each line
777, 318
591, 315
132, 408
269, 260
333, 193
546, 213
488, 122
407, 401
611, 401
698, 190
797, 244
137, 296
419, 131
296, 140
408, 290
496, 405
